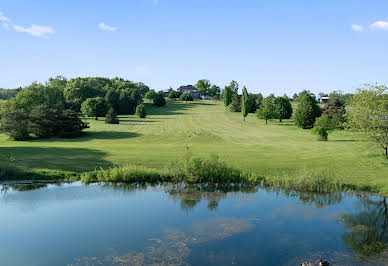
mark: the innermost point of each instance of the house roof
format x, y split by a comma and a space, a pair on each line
188, 88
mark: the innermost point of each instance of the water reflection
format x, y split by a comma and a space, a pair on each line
368, 228
363, 228
174, 247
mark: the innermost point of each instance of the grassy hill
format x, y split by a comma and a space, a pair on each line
205, 127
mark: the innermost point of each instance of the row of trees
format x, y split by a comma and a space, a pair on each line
207, 89
64, 99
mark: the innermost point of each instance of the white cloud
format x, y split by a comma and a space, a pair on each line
356, 27
3, 18
382, 25
105, 27
35, 30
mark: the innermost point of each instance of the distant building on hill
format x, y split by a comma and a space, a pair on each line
190, 89
324, 99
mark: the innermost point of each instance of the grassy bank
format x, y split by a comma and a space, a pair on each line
279, 151
195, 170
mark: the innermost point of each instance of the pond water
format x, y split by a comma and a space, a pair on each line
178, 224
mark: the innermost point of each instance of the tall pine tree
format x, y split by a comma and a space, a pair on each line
245, 103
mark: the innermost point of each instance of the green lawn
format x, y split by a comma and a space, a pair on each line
206, 127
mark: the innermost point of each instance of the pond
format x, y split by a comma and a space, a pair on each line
180, 224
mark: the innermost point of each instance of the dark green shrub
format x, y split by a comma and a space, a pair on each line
111, 117
159, 100
141, 111
15, 125
186, 97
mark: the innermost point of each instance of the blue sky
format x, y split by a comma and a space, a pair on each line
269, 46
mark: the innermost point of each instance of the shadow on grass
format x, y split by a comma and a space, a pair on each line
138, 121
53, 159
93, 135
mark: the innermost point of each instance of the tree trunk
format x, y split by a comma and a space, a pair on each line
244, 118
386, 151
96, 118
280, 120
266, 121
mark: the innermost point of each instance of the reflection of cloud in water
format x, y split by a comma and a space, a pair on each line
174, 247
298, 210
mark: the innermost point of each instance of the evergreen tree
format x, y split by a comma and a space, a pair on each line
235, 105
227, 96
15, 125
245, 103
141, 111
111, 117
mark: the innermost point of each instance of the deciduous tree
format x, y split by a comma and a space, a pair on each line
368, 114
94, 107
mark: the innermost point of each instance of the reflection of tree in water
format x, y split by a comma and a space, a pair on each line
4, 189
319, 200
188, 204
191, 194
368, 235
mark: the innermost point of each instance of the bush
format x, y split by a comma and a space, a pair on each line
324, 121
94, 107
159, 100
307, 111
141, 111
186, 97
111, 117
321, 132
15, 125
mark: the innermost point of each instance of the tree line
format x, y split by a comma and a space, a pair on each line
52, 109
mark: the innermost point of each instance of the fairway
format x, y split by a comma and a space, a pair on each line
203, 127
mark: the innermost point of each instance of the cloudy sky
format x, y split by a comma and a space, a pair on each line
269, 46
